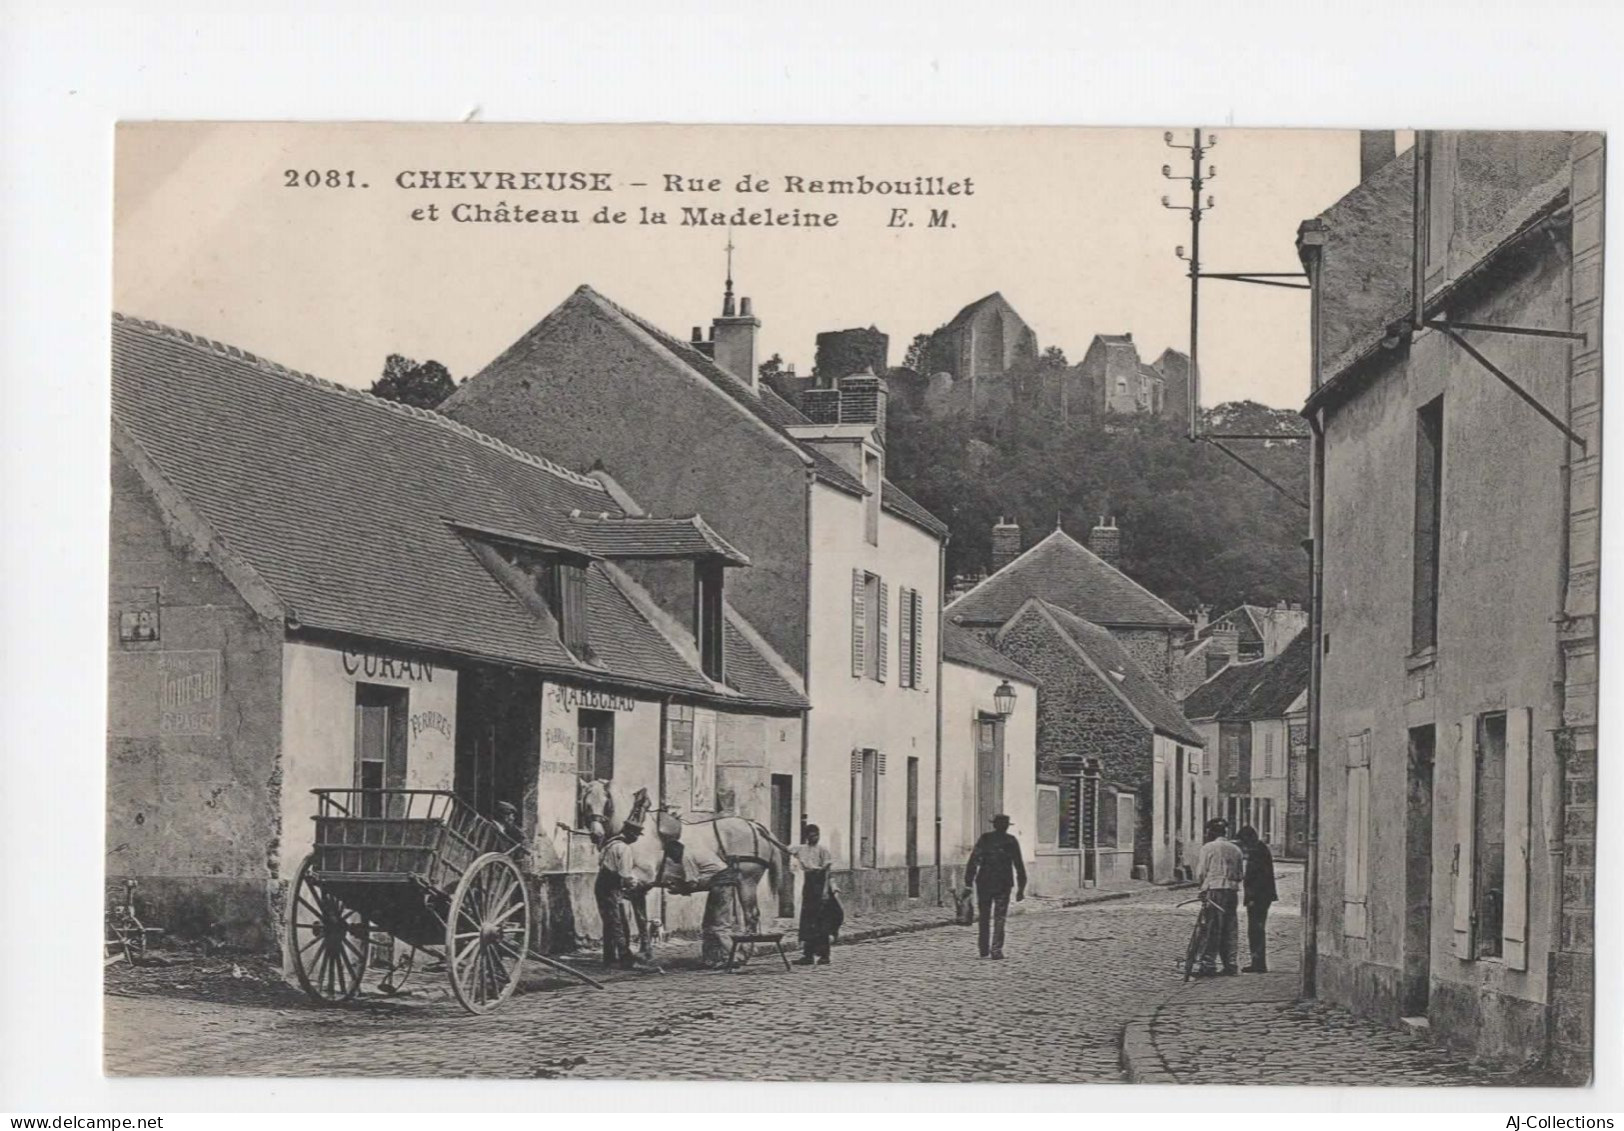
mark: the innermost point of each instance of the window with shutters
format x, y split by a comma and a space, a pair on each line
905, 637
595, 745
1429, 478
871, 610
1356, 836
1489, 836
859, 623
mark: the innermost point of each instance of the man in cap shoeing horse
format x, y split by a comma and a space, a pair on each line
615, 877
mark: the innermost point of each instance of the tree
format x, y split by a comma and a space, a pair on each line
915, 357
772, 367
423, 384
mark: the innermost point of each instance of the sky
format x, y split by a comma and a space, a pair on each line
1067, 223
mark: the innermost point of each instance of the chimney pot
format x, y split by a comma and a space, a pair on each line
744, 308
1106, 542
699, 334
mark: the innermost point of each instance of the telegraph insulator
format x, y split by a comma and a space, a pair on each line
1166, 203
1212, 170
1211, 203
1168, 137
1212, 140
1179, 251
1167, 170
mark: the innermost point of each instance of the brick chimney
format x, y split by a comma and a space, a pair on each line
1006, 543
863, 398
734, 340
1106, 541
1376, 148
1226, 643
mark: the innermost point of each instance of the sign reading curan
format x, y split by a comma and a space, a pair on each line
570, 698
387, 667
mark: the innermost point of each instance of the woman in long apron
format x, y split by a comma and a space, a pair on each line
816, 862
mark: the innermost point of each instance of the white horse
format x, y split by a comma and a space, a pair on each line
726, 857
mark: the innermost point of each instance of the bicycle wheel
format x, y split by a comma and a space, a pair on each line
1199, 935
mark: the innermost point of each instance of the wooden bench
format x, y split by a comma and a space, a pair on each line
776, 939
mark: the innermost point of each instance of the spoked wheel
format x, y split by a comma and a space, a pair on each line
487, 934
1198, 941
328, 941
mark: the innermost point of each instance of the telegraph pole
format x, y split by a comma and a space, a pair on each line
1195, 208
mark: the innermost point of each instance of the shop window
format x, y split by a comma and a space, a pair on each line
380, 743
595, 745
679, 733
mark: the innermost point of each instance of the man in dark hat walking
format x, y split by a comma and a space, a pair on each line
615, 875
995, 866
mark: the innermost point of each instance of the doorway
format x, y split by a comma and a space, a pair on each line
869, 804
380, 745
1417, 977
782, 817
913, 828
989, 771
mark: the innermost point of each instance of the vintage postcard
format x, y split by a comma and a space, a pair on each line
854, 604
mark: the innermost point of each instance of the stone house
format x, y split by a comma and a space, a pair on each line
1453, 714
316, 588
845, 576
1253, 715
1095, 700
1084, 580
1085, 583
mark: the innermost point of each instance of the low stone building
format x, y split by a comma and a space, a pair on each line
1094, 700
316, 588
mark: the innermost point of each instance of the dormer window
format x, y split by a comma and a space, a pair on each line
708, 618
561, 584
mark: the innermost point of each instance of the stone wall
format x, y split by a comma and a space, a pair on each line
1079, 714
1152, 649
194, 733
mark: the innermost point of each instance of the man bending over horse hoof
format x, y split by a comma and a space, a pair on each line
615, 878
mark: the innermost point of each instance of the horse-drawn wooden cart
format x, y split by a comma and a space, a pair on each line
422, 867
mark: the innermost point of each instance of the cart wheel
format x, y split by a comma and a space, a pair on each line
328, 941
487, 934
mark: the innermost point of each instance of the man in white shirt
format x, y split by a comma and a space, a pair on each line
1219, 871
615, 876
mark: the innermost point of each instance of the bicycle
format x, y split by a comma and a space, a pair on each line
1208, 925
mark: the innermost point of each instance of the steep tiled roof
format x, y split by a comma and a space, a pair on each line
1281, 685
961, 646
615, 535
1066, 573
349, 507
1127, 678
765, 404
1230, 684
1259, 689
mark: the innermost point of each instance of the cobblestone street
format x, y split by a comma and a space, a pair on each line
916, 1006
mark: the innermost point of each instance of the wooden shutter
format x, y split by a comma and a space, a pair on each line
906, 676
918, 657
859, 614
1356, 837
1514, 921
885, 632
1465, 838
